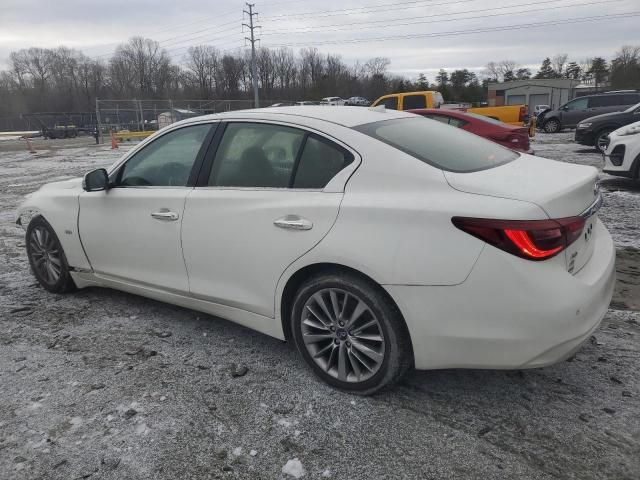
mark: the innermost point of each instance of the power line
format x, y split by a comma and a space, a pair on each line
366, 9
387, 23
462, 32
253, 41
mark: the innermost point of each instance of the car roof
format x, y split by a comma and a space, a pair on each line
345, 116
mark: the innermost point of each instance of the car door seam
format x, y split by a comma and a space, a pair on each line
80, 236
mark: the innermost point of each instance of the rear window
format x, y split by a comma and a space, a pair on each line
439, 144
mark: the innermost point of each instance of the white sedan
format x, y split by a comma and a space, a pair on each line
375, 240
622, 155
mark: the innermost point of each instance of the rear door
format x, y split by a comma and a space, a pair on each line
606, 104
265, 201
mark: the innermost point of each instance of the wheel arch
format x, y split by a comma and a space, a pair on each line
295, 280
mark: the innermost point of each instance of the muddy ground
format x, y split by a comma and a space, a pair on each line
106, 385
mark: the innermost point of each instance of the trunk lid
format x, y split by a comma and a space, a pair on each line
560, 189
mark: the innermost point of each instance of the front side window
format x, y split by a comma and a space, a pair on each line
409, 102
439, 145
165, 162
320, 161
256, 155
579, 104
391, 103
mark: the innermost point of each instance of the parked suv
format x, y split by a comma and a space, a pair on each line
573, 112
594, 131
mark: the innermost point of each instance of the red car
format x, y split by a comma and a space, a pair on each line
516, 138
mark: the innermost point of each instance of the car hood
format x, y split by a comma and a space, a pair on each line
560, 189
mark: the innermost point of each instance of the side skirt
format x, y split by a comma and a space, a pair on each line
254, 321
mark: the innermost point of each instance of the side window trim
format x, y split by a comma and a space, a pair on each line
202, 179
197, 164
296, 163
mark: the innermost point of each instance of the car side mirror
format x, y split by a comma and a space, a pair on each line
564, 108
96, 181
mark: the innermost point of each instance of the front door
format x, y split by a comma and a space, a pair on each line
132, 230
574, 112
262, 206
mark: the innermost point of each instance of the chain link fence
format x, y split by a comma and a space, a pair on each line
149, 115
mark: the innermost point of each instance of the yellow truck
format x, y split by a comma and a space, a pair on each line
511, 114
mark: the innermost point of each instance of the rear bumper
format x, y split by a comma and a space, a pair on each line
509, 313
585, 137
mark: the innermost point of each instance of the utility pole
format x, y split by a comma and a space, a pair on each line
252, 39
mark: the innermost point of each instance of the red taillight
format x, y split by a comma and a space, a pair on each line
530, 239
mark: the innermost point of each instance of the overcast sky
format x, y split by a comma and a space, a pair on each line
97, 27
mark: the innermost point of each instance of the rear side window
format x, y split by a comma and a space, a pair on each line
262, 155
631, 98
439, 145
605, 101
256, 155
320, 161
409, 102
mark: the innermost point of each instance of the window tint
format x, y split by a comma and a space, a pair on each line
256, 155
604, 101
166, 161
439, 145
439, 118
631, 98
410, 102
320, 162
579, 104
391, 103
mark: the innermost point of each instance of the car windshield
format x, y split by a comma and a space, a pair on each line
632, 108
439, 144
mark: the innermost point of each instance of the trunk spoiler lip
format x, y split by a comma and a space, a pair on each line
594, 207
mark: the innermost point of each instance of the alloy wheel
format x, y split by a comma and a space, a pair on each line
602, 142
552, 126
46, 255
342, 335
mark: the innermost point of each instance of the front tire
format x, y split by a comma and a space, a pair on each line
350, 333
46, 257
602, 140
552, 126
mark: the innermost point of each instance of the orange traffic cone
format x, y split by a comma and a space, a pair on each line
29, 146
114, 142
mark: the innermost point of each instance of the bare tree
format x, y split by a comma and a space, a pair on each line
558, 62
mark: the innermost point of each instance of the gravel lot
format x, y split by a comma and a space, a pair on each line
105, 385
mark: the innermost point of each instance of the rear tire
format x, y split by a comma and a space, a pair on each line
46, 257
552, 126
350, 333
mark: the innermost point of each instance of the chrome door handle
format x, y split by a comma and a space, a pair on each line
165, 215
293, 222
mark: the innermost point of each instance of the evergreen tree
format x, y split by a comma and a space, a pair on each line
546, 70
599, 70
573, 71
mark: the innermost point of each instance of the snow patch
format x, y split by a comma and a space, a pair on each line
294, 468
